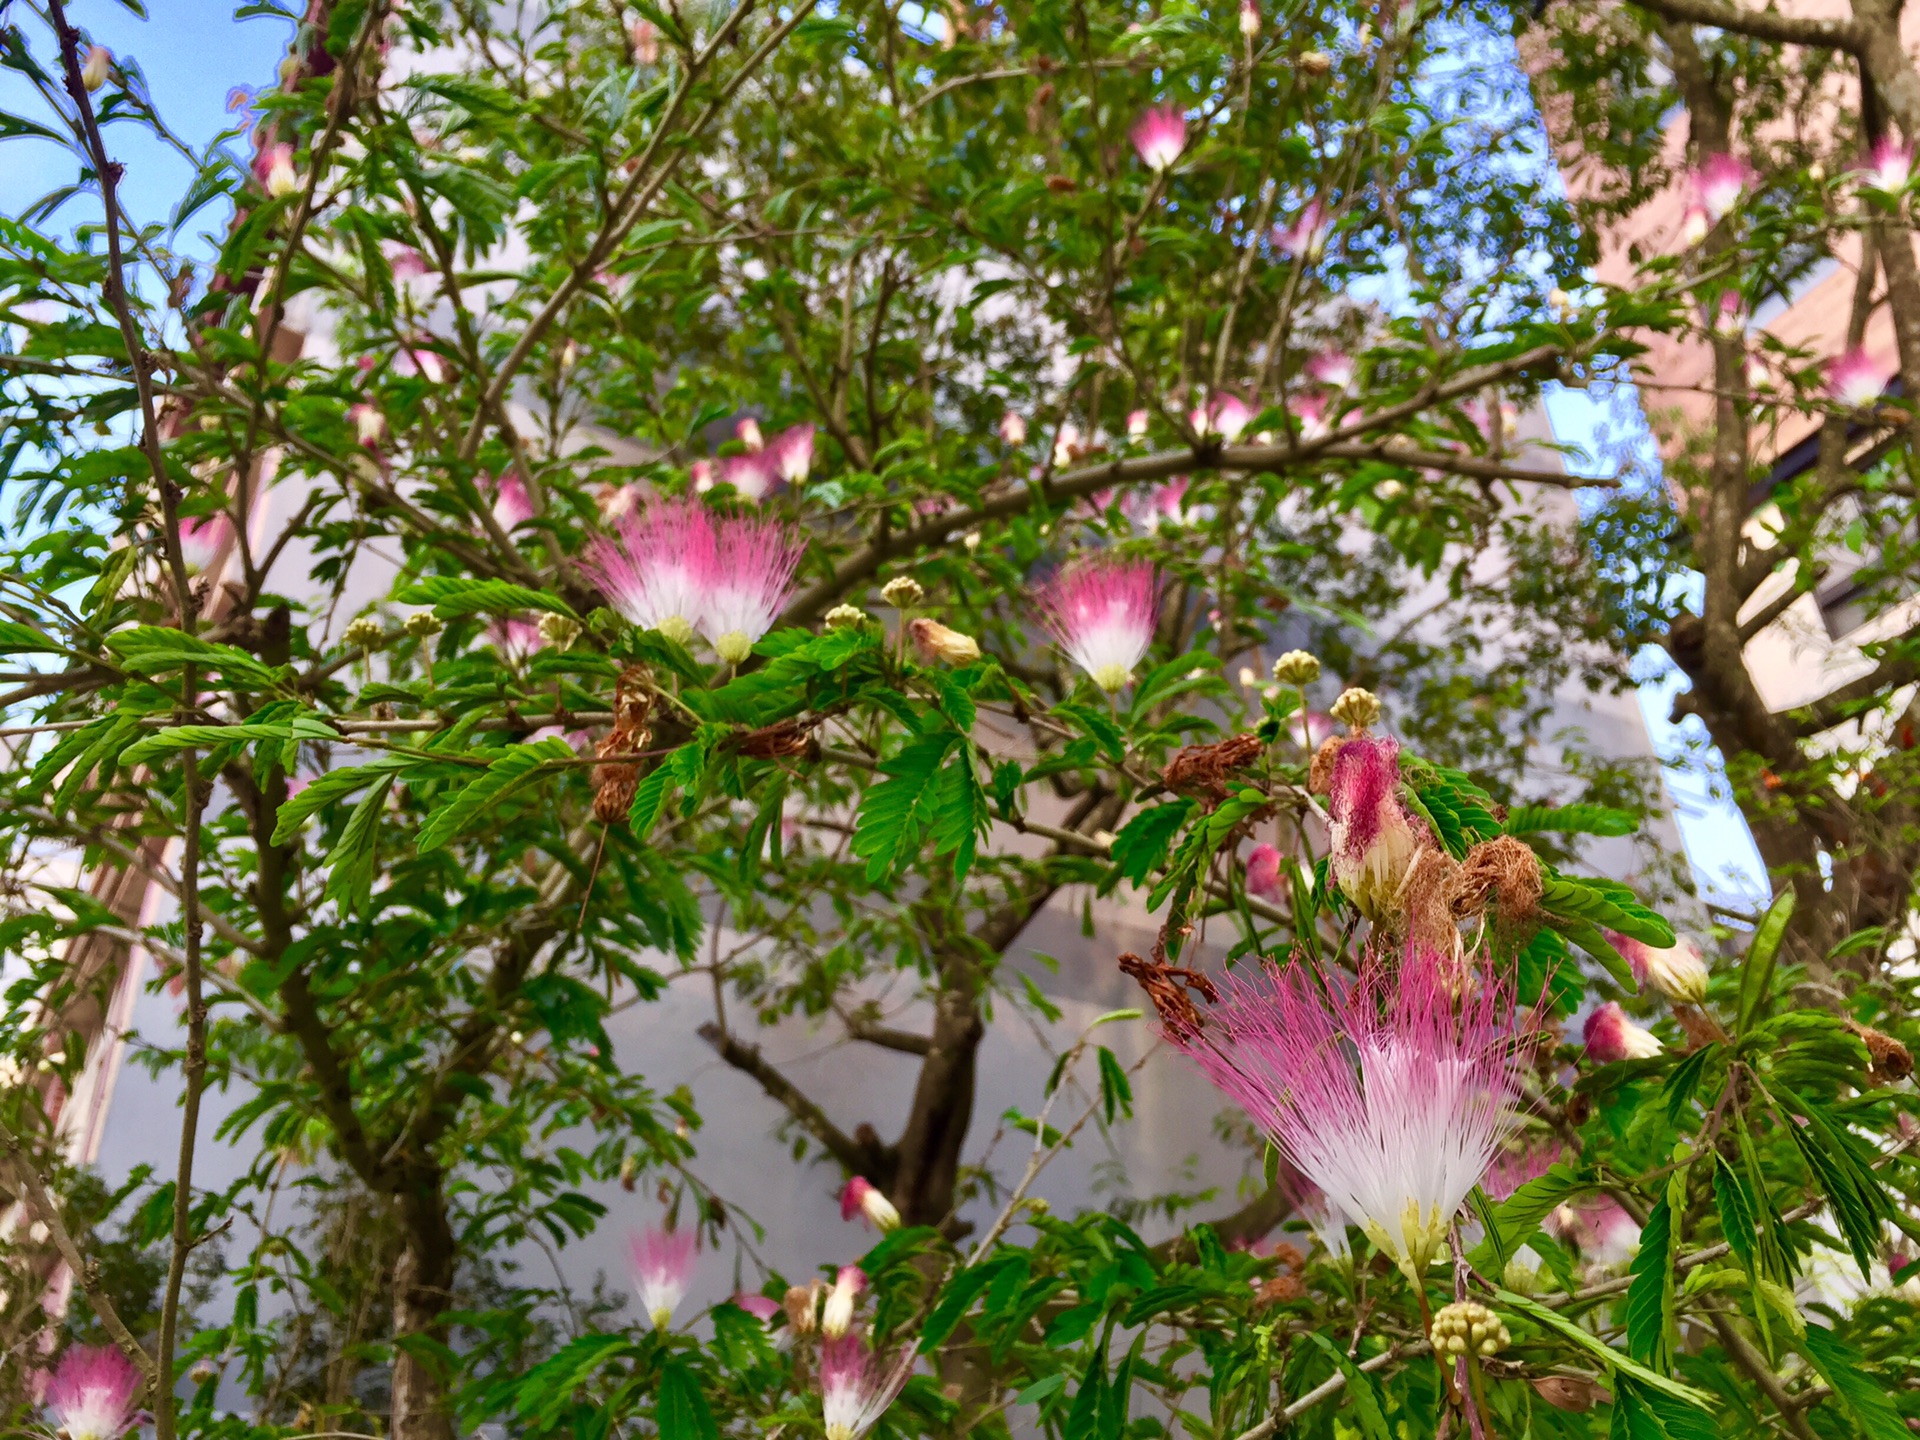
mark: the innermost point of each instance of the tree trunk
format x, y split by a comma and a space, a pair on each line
422, 1294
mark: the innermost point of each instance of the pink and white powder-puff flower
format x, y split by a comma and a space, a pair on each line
1167, 505
1306, 238
516, 640
1611, 1036
792, 452
857, 1386
273, 167
1853, 380
1332, 368
747, 431
662, 1270
404, 261
93, 1392
1326, 1219
1067, 445
836, 1316
1311, 412
1013, 428
659, 568
1718, 184
761, 1307
701, 474
1730, 316
1103, 613
1389, 1094
511, 504
1372, 842
1889, 167
1136, 424
1695, 225
1263, 871
1678, 971
862, 1197
369, 425
202, 539
750, 583
1513, 1168
754, 475
1227, 417
1249, 19
1160, 135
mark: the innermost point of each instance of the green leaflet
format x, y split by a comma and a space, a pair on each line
1571, 820
1601, 1351
1141, 846
326, 788
1862, 1394
451, 596
1520, 1214
1756, 971
1603, 903
155, 650
1650, 1298
894, 814
514, 770
351, 865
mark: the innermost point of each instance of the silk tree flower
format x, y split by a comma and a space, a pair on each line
1730, 318
1513, 1168
419, 359
273, 167
1373, 844
516, 640
1136, 424
511, 504
1611, 1036
92, 1393
369, 425
1067, 445
659, 568
1227, 417
1306, 238
857, 1386
1311, 729
1249, 19
941, 643
1695, 225
1678, 972
1102, 613
750, 584
1854, 380
202, 539
836, 1316
1387, 1093
404, 261
1263, 871
1311, 412
700, 472
792, 452
754, 475
747, 431
1167, 505
1332, 368
862, 1197
761, 1307
1889, 167
1013, 428
1327, 1221
662, 1270
1160, 135
1718, 183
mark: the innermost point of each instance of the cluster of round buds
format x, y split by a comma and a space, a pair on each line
1467, 1327
559, 631
1297, 667
903, 592
363, 634
845, 617
1356, 708
422, 623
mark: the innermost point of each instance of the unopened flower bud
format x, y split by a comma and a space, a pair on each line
422, 624
1816, 172
1297, 667
93, 74
1559, 300
903, 592
935, 641
1249, 18
1316, 62
836, 1316
363, 634
845, 617
801, 1303
1356, 708
1467, 1327
971, 540
862, 1197
559, 631
1013, 428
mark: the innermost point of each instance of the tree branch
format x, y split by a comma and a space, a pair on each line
748, 1059
1845, 35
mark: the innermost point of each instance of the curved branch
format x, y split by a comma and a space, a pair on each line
1846, 35
747, 1059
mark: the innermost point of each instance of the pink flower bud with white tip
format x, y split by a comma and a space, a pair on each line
1311, 412
1890, 167
1249, 18
861, 1197
1013, 428
646, 42
202, 539
1717, 185
1263, 871
1678, 972
92, 1393
1695, 225
1611, 1036
663, 1263
836, 1316
1227, 417
1306, 238
747, 432
1136, 424
792, 452
754, 475
762, 1308
369, 425
511, 503
1103, 612
274, 167
1160, 135
751, 582
659, 568
1332, 368
1853, 380
701, 474
857, 1386
1373, 842
99, 64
